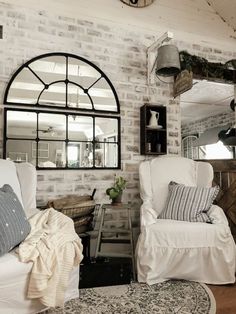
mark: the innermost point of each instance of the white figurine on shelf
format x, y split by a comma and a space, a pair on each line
153, 122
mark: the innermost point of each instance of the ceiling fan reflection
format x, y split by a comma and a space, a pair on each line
50, 130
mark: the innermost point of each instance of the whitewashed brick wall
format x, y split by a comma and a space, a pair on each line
121, 53
199, 126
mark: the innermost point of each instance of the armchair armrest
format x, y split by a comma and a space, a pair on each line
217, 215
148, 215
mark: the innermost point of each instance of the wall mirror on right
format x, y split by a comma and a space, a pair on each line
207, 112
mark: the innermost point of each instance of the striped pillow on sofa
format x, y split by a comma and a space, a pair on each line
189, 203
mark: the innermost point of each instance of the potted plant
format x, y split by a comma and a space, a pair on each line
115, 192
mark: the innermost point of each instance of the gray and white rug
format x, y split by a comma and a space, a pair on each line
173, 296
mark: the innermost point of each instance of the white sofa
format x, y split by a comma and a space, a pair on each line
168, 249
14, 274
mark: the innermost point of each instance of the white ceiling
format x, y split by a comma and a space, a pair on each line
226, 10
205, 99
206, 21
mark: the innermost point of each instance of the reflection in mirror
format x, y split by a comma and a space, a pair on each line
25, 88
50, 69
51, 154
21, 124
77, 98
80, 155
106, 130
80, 128
111, 153
64, 81
19, 151
54, 95
102, 95
82, 73
205, 111
58, 140
51, 126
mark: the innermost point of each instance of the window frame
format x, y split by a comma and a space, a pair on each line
65, 110
66, 55
67, 141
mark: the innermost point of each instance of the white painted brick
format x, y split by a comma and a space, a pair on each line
121, 53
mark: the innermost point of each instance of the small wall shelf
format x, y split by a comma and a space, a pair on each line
153, 139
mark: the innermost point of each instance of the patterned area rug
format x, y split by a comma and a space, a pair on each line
174, 296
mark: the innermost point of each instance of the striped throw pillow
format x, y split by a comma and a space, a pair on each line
14, 226
188, 203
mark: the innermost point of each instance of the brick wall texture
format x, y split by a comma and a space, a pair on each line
199, 126
121, 52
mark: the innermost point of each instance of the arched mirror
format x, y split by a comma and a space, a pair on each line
62, 80
205, 112
64, 137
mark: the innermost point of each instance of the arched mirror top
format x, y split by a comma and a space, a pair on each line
62, 80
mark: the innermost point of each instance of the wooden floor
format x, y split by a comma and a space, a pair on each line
225, 297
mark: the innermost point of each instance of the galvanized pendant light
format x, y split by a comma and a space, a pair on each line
168, 62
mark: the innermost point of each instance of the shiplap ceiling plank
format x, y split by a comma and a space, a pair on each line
183, 17
192, 20
205, 99
226, 10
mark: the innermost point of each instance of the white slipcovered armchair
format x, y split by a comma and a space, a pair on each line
14, 275
168, 249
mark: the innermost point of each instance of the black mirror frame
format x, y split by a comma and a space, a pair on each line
66, 81
39, 108
66, 141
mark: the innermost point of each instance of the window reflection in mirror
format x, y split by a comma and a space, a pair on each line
80, 155
77, 98
63, 81
57, 140
19, 151
217, 151
21, 124
103, 96
51, 154
82, 73
51, 126
50, 69
80, 128
106, 138
54, 95
205, 111
25, 88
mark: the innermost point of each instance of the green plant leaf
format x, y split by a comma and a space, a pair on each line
113, 193
116, 190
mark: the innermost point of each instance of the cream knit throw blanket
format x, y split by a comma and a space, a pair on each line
54, 248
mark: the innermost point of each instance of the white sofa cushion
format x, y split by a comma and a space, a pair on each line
9, 176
